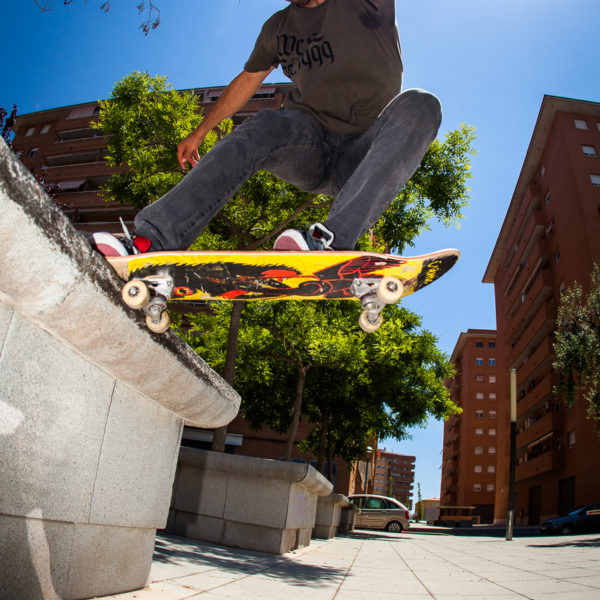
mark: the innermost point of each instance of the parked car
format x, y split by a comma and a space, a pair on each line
582, 520
380, 512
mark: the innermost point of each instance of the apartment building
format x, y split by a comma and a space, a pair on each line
60, 145
549, 239
471, 437
394, 476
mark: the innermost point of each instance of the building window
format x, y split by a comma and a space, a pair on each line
32, 152
489, 487
571, 439
478, 469
478, 344
491, 344
492, 362
479, 378
595, 179
479, 414
491, 468
589, 150
492, 379
580, 124
547, 198
557, 254
479, 431
492, 396
478, 450
477, 487
492, 414
542, 171
492, 450
492, 432
479, 396
29, 132
45, 129
479, 361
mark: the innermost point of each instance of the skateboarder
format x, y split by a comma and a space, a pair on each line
345, 130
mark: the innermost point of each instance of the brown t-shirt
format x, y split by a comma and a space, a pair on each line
343, 55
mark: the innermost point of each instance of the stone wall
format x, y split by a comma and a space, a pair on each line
91, 410
240, 501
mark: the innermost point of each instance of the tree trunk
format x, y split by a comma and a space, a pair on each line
293, 430
329, 459
220, 434
322, 441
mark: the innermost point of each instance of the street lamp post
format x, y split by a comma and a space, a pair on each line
368, 456
513, 454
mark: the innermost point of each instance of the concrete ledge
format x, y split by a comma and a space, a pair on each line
245, 502
92, 407
329, 515
49, 273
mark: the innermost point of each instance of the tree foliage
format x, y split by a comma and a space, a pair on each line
303, 356
311, 359
146, 120
577, 344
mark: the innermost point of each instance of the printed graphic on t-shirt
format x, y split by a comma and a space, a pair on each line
296, 54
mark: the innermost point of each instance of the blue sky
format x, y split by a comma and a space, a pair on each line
490, 63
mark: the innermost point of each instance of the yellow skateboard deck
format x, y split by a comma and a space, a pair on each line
187, 276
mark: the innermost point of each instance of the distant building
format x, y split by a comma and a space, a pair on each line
471, 438
549, 239
431, 510
394, 476
60, 145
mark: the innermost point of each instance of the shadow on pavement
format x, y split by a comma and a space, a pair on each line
203, 557
570, 543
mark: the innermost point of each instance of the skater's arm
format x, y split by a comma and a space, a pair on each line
233, 98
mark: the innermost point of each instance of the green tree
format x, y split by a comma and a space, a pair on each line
419, 503
398, 384
147, 119
577, 344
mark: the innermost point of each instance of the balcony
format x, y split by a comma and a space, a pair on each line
542, 391
551, 422
540, 291
540, 361
538, 256
534, 230
532, 203
542, 324
544, 463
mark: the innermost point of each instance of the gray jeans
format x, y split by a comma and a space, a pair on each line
363, 172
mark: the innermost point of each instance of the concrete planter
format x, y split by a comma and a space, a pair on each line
91, 410
329, 515
252, 503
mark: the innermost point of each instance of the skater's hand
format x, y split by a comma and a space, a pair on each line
187, 150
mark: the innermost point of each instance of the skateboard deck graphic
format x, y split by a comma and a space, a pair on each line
200, 276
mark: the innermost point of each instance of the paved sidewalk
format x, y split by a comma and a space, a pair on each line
380, 566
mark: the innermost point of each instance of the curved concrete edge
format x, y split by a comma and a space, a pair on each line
49, 273
337, 500
266, 468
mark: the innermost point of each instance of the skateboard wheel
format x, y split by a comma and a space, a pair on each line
135, 294
366, 324
161, 326
390, 290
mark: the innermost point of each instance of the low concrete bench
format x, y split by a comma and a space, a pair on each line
329, 515
245, 502
91, 410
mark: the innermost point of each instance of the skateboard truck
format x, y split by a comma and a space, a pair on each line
374, 294
151, 295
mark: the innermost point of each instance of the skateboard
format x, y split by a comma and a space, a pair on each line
156, 278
